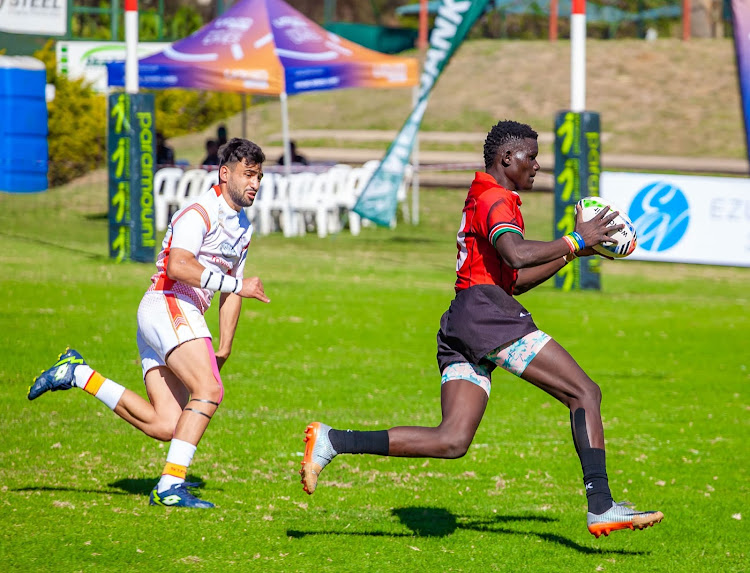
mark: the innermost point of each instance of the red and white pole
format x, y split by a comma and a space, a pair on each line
423, 24
578, 56
131, 46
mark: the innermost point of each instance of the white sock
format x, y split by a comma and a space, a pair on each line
178, 459
97, 385
81, 375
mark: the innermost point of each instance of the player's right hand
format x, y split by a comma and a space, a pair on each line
597, 230
252, 287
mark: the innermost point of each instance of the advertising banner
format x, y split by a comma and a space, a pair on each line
684, 219
42, 17
378, 200
131, 155
577, 170
87, 60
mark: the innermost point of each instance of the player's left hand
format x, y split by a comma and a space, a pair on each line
252, 287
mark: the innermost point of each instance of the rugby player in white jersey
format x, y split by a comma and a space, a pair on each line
204, 252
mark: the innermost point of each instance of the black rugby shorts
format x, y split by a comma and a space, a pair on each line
480, 319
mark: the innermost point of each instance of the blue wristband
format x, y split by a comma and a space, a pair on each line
577, 237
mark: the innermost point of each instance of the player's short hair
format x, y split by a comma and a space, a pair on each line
501, 133
237, 149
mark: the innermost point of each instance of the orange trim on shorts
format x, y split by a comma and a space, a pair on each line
175, 312
175, 470
94, 382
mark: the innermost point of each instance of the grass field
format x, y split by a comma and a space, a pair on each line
349, 338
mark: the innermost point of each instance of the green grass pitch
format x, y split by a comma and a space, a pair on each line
349, 339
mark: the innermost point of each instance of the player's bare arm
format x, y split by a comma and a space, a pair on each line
521, 253
534, 276
184, 267
230, 306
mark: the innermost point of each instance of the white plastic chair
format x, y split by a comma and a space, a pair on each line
305, 190
211, 178
165, 195
333, 181
272, 209
260, 212
348, 193
190, 185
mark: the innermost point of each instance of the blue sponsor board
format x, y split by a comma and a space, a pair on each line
130, 158
577, 171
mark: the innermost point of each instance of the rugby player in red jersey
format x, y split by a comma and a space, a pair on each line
486, 327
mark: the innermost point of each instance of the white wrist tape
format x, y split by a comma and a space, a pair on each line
220, 282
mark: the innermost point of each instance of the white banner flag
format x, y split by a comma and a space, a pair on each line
40, 17
378, 200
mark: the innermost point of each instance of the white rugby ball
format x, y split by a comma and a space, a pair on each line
625, 238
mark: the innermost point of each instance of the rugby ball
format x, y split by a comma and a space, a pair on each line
625, 238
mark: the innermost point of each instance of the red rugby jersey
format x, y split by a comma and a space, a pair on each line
490, 210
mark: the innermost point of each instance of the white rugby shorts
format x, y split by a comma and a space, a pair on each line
164, 322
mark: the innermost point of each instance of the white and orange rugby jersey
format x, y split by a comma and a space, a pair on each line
215, 233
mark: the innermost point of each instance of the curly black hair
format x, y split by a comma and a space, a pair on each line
503, 132
236, 150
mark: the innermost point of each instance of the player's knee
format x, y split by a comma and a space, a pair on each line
455, 445
211, 392
163, 430
585, 393
593, 393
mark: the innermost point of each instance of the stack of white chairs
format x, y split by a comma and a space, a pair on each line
190, 186
165, 195
307, 210
348, 193
293, 204
272, 208
210, 179
334, 183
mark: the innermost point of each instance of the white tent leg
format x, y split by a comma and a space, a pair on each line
285, 134
244, 116
415, 170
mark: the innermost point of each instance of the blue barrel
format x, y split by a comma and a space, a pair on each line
23, 125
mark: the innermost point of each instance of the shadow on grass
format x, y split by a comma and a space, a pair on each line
75, 489
96, 216
38, 241
439, 522
411, 240
135, 486
143, 486
129, 486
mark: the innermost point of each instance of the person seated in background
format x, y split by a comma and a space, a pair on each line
212, 153
221, 134
296, 157
164, 153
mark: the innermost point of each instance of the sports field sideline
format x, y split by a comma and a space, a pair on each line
349, 338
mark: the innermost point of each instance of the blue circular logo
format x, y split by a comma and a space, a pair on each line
660, 215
